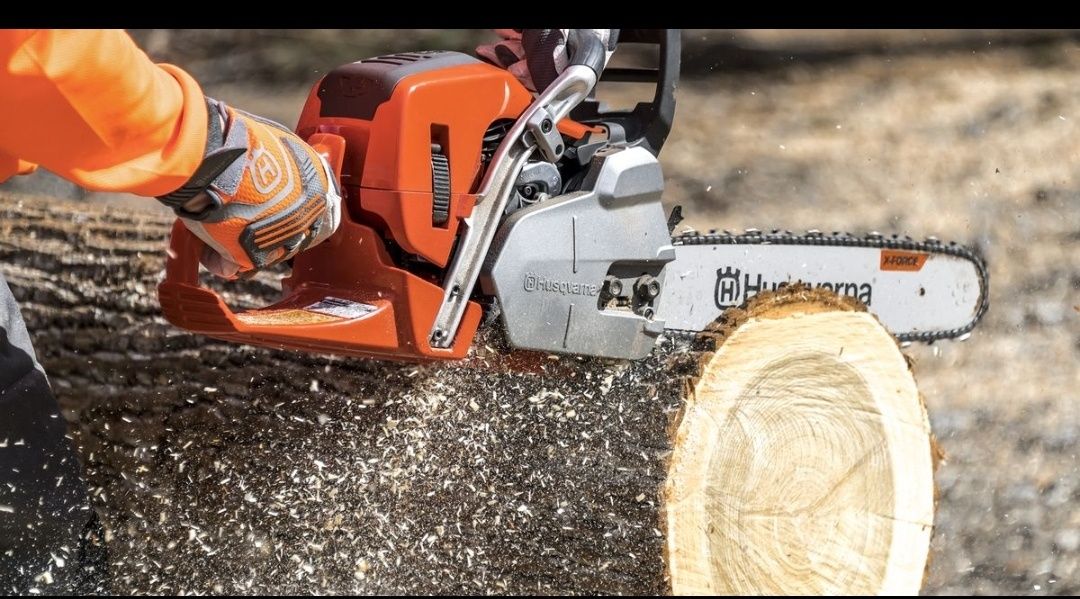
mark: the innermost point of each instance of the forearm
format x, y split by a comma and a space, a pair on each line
93, 108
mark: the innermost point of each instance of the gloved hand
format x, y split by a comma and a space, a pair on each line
537, 56
260, 196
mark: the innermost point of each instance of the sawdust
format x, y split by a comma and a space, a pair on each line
416, 479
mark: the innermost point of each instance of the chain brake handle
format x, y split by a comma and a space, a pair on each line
648, 123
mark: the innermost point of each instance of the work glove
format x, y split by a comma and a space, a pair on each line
537, 56
260, 196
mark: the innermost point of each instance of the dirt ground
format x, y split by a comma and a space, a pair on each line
978, 146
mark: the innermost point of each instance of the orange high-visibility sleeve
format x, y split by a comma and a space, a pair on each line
92, 107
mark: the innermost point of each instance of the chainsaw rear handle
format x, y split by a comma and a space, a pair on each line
185, 248
344, 296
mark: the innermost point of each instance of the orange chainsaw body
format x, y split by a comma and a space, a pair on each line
389, 126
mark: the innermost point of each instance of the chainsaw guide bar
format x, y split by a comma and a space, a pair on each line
721, 270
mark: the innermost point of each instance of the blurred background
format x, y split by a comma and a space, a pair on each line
972, 136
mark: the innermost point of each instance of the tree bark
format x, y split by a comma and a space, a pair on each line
794, 457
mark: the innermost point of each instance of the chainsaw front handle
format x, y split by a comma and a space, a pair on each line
584, 47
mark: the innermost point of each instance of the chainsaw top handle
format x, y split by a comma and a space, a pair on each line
647, 125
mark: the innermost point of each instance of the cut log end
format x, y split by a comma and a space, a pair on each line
802, 462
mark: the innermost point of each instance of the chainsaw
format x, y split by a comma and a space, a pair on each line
465, 195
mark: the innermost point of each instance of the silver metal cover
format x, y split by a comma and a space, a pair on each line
548, 261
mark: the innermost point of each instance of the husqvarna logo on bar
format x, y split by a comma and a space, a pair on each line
728, 294
733, 287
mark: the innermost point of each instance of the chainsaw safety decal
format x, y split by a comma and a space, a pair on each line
342, 308
902, 260
273, 318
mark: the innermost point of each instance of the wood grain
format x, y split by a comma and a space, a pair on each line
802, 462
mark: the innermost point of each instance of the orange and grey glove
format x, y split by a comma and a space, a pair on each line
537, 56
260, 196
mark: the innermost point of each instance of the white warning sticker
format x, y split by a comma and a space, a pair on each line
342, 308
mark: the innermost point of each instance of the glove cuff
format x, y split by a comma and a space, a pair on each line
217, 157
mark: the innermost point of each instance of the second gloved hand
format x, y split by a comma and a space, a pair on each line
537, 56
260, 196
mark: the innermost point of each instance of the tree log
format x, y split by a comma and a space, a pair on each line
803, 462
793, 455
